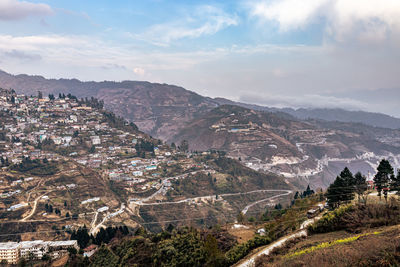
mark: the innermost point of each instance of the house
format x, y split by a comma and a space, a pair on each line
90, 250
151, 167
95, 140
261, 231
102, 209
137, 173
90, 200
17, 206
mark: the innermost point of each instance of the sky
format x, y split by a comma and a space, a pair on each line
281, 53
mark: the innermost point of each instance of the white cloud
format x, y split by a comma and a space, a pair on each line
290, 14
139, 71
369, 20
85, 57
206, 20
15, 10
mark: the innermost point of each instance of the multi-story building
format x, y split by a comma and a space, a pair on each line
33, 249
13, 251
9, 252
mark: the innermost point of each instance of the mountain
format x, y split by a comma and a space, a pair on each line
270, 139
158, 109
326, 114
312, 151
162, 109
341, 115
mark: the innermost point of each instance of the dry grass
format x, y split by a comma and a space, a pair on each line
242, 235
368, 249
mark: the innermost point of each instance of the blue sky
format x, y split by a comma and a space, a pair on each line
309, 53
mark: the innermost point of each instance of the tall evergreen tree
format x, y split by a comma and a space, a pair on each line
342, 189
395, 183
383, 177
360, 184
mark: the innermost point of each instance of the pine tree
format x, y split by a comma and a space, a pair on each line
342, 189
382, 178
360, 184
395, 183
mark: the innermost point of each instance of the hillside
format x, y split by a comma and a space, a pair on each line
65, 163
358, 235
311, 150
158, 109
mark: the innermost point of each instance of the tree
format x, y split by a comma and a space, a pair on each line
240, 218
214, 255
360, 185
40, 95
92, 149
342, 189
395, 183
308, 192
22, 262
382, 178
184, 146
51, 97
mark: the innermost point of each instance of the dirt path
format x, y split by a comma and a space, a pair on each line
34, 207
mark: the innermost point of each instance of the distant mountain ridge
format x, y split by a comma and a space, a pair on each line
327, 114
161, 109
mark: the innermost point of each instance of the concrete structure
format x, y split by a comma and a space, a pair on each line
13, 251
10, 252
33, 249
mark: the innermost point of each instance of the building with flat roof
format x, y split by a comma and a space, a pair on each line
9, 252
13, 251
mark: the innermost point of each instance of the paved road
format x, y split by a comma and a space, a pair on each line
287, 192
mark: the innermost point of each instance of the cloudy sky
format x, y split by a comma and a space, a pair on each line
308, 53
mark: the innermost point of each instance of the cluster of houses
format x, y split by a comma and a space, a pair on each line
65, 123
12, 252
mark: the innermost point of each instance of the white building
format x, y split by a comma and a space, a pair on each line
13, 251
10, 252
33, 249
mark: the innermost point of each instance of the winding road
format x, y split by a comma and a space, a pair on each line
213, 197
34, 207
288, 192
